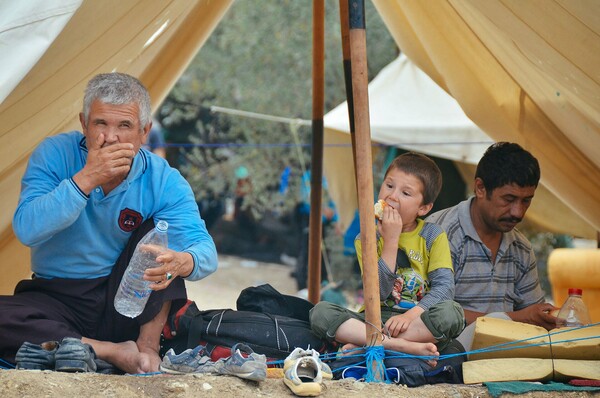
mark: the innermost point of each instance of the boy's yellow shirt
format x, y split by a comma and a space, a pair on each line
421, 255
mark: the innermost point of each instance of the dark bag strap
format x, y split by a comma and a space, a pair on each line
192, 321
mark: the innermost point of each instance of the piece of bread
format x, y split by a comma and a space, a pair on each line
379, 206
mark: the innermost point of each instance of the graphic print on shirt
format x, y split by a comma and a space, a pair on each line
129, 220
409, 286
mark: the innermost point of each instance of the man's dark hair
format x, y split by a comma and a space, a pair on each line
424, 169
505, 163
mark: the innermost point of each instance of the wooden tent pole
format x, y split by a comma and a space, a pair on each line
318, 108
364, 174
345, 33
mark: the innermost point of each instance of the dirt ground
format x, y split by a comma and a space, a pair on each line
221, 290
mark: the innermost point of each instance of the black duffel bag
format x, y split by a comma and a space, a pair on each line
275, 336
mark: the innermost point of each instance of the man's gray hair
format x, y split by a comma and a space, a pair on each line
118, 89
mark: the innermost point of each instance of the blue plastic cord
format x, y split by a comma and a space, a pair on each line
144, 374
374, 356
6, 365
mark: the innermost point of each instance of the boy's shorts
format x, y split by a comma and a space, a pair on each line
445, 320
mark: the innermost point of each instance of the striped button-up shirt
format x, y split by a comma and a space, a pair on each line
509, 284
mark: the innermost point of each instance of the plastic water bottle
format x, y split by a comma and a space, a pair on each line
573, 312
134, 291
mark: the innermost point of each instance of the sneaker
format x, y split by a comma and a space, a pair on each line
36, 356
75, 356
189, 361
253, 366
303, 376
326, 372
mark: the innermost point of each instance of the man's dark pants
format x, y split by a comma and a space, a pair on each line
51, 309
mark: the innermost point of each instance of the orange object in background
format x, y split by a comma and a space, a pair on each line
580, 268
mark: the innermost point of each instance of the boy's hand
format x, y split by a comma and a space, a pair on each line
399, 324
390, 225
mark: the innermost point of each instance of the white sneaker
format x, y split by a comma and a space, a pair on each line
299, 352
303, 376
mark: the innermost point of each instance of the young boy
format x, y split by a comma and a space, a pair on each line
416, 280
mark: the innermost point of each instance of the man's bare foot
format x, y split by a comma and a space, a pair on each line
129, 359
125, 356
153, 358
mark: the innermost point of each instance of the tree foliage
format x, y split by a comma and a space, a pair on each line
259, 59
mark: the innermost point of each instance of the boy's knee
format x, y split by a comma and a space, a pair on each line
326, 317
445, 320
319, 316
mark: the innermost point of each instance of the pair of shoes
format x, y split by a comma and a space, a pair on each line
36, 356
70, 355
303, 372
253, 366
189, 361
75, 356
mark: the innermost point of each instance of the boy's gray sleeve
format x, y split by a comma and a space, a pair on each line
386, 279
442, 287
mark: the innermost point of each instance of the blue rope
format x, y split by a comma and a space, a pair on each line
143, 374
374, 357
6, 365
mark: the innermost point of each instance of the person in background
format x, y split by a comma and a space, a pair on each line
495, 269
416, 285
86, 199
156, 140
329, 220
243, 186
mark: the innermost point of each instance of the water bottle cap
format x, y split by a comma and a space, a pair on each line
575, 291
162, 226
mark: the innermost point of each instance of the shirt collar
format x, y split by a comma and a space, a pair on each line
464, 218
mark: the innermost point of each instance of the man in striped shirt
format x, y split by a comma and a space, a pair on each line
495, 269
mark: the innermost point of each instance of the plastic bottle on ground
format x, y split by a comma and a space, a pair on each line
134, 291
573, 312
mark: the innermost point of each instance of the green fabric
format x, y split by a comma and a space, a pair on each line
521, 387
445, 321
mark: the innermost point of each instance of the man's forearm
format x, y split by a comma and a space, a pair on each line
471, 316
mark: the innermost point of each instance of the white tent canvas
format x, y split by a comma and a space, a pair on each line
27, 29
407, 109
